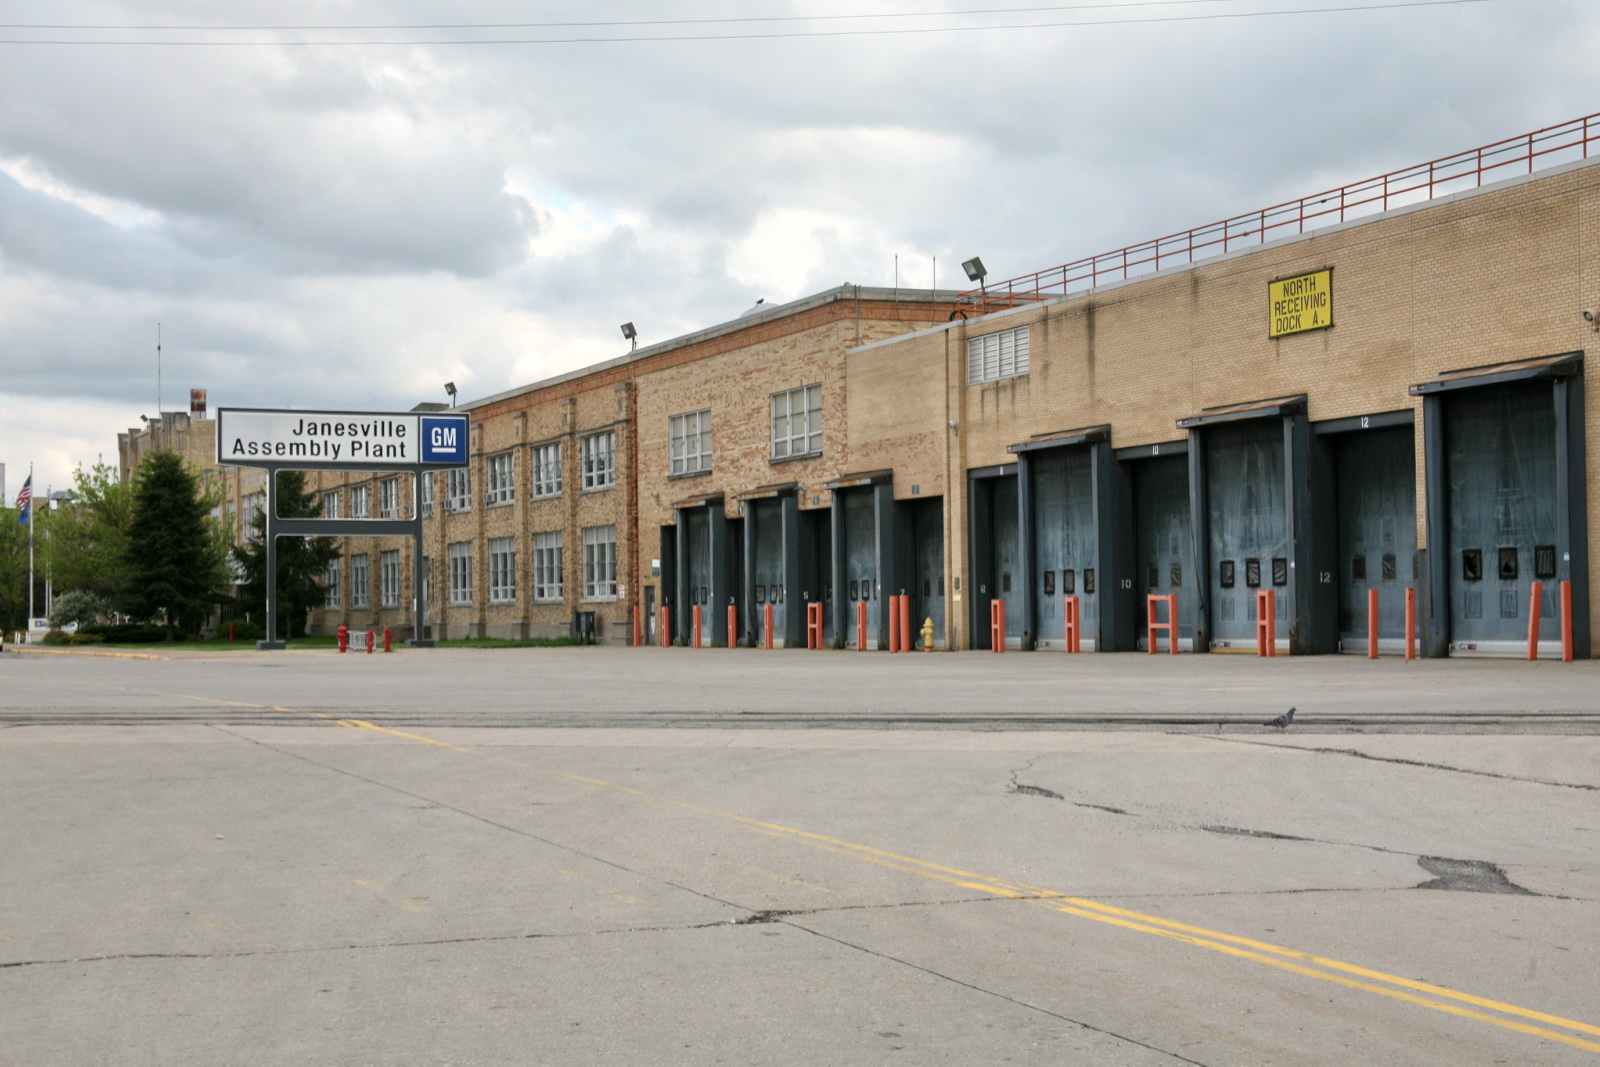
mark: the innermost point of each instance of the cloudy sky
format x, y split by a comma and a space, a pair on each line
324, 205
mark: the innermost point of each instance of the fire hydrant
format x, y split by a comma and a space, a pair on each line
927, 634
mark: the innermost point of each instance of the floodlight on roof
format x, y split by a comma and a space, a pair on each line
450, 390
974, 269
631, 334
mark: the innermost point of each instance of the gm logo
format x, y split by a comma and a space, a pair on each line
444, 439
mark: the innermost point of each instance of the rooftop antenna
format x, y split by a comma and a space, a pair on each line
158, 370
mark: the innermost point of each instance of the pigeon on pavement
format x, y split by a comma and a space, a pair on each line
1282, 721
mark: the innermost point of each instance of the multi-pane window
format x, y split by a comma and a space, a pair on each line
459, 489
389, 498
502, 570
360, 497
547, 469
460, 554
389, 578
330, 586
427, 492
689, 442
797, 422
360, 581
547, 566
502, 478
330, 505
600, 563
251, 507
997, 355
600, 460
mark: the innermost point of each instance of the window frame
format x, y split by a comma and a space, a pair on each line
680, 460
360, 501
549, 576
331, 600
599, 463
599, 563
501, 477
458, 489
545, 460
389, 578
389, 498
458, 557
502, 570
810, 437
360, 581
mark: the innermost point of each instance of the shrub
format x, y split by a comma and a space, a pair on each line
127, 633
244, 630
85, 639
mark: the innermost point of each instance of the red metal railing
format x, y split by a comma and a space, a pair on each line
1566, 142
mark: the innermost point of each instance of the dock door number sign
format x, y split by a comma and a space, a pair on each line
1301, 303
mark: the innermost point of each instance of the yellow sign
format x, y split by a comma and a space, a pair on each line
1302, 303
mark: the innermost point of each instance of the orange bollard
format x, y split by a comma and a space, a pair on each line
814, 625
1535, 604
230, 633
664, 631
1072, 629
1266, 623
697, 626
1411, 622
1372, 624
906, 644
894, 624
1566, 622
997, 625
733, 626
1153, 621
387, 636
371, 640
766, 623
638, 625
344, 637
861, 626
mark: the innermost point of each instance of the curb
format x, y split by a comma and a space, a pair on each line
83, 652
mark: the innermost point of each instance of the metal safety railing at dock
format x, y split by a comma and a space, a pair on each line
1514, 156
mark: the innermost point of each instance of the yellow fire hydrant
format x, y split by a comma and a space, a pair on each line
927, 634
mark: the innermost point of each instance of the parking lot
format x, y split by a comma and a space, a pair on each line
606, 855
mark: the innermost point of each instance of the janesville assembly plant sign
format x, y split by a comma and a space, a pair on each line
347, 440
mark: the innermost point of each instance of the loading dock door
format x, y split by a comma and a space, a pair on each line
766, 568
1375, 472
1164, 561
860, 561
1063, 544
1248, 514
816, 564
1007, 548
927, 594
697, 544
1500, 448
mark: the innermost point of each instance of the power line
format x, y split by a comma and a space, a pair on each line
905, 31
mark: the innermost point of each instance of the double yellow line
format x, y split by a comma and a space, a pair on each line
1351, 976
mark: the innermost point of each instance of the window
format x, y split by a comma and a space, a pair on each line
389, 498
459, 489
461, 572
359, 499
360, 581
600, 460
502, 570
389, 578
502, 478
547, 469
690, 442
997, 355
427, 493
252, 507
330, 586
330, 505
600, 563
427, 584
547, 567
797, 422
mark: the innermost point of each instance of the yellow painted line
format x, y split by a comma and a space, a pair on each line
1292, 960
83, 652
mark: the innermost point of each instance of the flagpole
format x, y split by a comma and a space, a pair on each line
31, 513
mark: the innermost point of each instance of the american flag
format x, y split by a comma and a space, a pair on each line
24, 499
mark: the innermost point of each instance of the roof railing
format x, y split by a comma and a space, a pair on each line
1553, 145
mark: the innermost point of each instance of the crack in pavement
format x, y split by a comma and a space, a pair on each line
1425, 764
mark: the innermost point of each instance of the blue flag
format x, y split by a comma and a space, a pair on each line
25, 500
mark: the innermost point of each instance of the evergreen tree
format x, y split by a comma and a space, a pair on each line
302, 561
173, 568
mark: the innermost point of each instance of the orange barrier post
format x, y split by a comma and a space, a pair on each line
344, 637
766, 621
1411, 622
894, 623
696, 621
1072, 624
733, 626
814, 625
997, 625
386, 637
1266, 623
230, 633
663, 631
638, 625
1566, 622
1535, 604
861, 626
370, 641
906, 644
1372, 624
1153, 621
